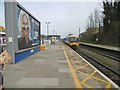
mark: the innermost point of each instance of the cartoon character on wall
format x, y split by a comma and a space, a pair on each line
24, 40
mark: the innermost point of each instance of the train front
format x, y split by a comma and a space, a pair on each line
74, 41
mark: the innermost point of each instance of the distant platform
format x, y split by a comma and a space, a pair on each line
103, 46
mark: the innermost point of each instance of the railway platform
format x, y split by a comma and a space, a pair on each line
103, 46
56, 67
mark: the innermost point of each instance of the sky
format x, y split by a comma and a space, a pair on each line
2, 20
65, 16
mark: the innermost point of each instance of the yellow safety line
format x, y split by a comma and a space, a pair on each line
79, 66
100, 79
88, 86
89, 69
82, 66
76, 80
93, 77
74, 62
82, 62
109, 85
88, 77
82, 73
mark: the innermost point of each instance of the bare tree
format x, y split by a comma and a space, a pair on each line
91, 20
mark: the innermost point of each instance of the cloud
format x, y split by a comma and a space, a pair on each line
65, 17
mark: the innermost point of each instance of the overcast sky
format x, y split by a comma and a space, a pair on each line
1, 14
65, 17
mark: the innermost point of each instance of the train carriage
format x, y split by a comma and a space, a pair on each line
72, 41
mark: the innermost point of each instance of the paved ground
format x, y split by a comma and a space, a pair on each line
45, 69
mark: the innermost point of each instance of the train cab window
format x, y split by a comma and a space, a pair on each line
73, 39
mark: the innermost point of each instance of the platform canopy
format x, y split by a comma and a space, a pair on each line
57, 36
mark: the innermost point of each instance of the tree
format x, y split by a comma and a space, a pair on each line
107, 6
111, 22
118, 22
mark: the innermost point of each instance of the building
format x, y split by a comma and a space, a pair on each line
56, 36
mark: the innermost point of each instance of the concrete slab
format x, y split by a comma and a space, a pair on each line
62, 61
27, 82
64, 70
45, 69
48, 82
63, 75
66, 83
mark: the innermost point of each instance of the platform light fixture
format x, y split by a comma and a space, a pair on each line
47, 23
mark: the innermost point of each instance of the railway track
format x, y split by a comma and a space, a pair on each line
95, 58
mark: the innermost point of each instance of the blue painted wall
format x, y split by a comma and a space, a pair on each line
20, 56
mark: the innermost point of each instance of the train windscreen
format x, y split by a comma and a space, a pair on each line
73, 39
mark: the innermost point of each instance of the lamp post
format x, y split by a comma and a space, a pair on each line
79, 33
47, 23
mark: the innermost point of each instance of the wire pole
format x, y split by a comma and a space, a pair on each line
47, 23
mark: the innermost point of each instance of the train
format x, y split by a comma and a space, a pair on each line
72, 41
